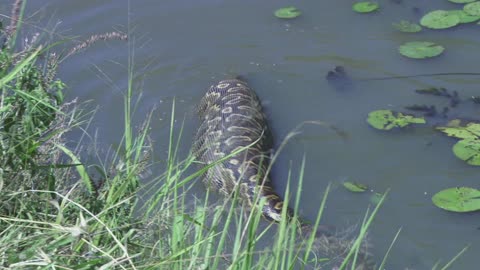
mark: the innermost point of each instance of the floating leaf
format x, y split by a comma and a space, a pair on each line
472, 8
468, 151
470, 132
365, 6
439, 19
355, 187
386, 119
462, 1
407, 27
459, 199
454, 123
464, 16
420, 49
287, 13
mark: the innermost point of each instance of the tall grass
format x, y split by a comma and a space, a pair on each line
55, 215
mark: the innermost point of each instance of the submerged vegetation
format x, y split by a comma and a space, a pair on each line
467, 148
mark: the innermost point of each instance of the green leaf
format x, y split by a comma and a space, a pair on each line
386, 119
459, 199
471, 131
420, 49
355, 187
439, 19
287, 13
407, 27
468, 151
80, 169
365, 6
462, 1
19, 67
464, 17
472, 8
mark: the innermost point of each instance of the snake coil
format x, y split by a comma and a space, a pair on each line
232, 120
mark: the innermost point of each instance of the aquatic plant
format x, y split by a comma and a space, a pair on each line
287, 12
458, 199
354, 186
386, 119
407, 26
461, 1
420, 49
472, 9
365, 6
468, 148
440, 19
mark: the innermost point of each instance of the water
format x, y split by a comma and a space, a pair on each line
183, 46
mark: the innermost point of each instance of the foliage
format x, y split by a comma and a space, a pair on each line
464, 16
386, 119
355, 187
468, 148
462, 1
468, 151
365, 6
471, 131
459, 199
439, 19
287, 13
420, 49
407, 27
29, 107
54, 215
472, 8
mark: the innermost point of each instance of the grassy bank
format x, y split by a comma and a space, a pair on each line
54, 214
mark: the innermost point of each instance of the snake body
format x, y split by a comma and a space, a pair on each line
234, 143
231, 120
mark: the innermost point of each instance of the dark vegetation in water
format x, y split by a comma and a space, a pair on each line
462, 199
339, 79
431, 110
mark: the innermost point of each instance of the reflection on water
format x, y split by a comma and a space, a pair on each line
182, 46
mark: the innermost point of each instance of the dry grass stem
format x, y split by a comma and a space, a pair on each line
94, 38
15, 15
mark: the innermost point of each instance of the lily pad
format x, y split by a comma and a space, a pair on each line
365, 6
459, 199
287, 13
464, 16
468, 151
469, 132
407, 27
462, 1
472, 8
386, 119
439, 19
355, 187
420, 49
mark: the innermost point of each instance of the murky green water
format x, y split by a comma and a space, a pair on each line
181, 47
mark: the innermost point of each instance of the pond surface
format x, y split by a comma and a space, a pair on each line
183, 46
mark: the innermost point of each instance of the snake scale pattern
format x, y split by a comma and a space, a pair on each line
232, 120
